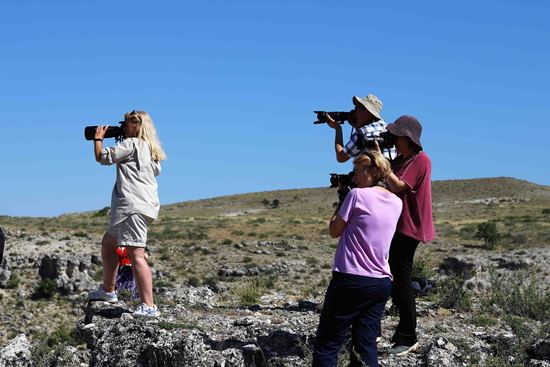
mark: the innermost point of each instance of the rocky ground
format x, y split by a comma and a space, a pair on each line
240, 281
201, 326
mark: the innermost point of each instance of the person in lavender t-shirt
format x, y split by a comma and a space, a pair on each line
361, 278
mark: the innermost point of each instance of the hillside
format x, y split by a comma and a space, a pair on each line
268, 248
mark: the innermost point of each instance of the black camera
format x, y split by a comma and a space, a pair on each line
116, 132
343, 182
341, 117
385, 141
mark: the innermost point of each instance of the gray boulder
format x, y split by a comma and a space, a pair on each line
17, 353
71, 273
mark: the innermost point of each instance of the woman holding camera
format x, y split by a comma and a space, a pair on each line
134, 205
361, 280
411, 181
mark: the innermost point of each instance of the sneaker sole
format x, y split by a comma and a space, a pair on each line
411, 349
104, 300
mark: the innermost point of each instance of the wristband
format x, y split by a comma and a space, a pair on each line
98, 139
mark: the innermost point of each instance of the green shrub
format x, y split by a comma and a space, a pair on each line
488, 232
193, 281
422, 270
102, 212
210, 281
468, 232
482, 320
515, 296
14, 281
252, 290
82, 234
452, 294
46, 288
48, 349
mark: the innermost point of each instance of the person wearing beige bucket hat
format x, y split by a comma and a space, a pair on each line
410, 180
368, 125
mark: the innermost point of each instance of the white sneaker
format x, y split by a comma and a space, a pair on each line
101, 295
401, 350
146, 311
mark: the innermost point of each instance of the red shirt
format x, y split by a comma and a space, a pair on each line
416, 219
122, 256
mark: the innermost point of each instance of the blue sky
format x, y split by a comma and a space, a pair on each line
231, 86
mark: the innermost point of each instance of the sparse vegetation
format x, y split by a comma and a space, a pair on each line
46, 288
519, 296
192, 241
452, 294
103, 212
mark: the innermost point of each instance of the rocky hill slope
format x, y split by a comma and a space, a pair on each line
240, 281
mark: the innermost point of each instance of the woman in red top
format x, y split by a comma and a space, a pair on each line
411, 181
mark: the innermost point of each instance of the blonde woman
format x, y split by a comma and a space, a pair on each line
361, 279
134, 205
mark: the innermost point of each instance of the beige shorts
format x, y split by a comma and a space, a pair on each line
132, 231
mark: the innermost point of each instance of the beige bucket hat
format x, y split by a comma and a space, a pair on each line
372, 103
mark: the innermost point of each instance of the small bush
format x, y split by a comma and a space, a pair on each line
193, 281
82, 234
519, 297
488, 232
482, 320
227, 241
251, 291
210, 281
452, 294
421, 270
102, 212
14, 281
46, 288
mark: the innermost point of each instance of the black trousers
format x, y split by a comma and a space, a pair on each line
401, 262
355, 304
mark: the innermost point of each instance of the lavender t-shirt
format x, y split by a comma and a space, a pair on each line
371, 217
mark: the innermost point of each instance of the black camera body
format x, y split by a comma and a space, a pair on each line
385, 141
343, 182
339, 116
116, 132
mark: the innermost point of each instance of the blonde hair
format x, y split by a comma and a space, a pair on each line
147, 133
376, 164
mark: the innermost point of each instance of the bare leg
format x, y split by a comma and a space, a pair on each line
142, 274
110, 262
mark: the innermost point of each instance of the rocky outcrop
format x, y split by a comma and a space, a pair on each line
70, 272
185, 337
17, 353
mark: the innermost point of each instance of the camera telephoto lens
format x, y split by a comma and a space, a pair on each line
112, 132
